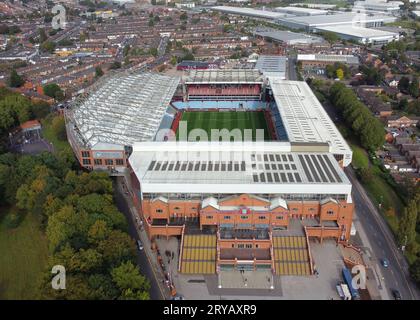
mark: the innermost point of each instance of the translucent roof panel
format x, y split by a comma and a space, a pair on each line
225, 76
124, 108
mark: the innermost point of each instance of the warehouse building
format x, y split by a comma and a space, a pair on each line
287, 37
362, 35
248, 12
297, 11
339, 19
323, 60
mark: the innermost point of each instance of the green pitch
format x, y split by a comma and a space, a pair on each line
229, 120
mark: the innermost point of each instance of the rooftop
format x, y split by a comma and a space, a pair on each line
249, 12
329, 57
338, 18
300, 11
272, 65
359, 31
226, 167
224, 76
122, 109
304, 118
287, 36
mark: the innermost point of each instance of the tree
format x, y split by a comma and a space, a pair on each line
59, 128
415, 271
406, 233
48, 46
15, 79
98, 72
403, 84
131, 284
53, 90
413, 88
340, 74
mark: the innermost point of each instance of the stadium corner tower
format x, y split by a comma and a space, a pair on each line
246, 204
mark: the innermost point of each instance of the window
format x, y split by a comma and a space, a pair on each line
330, 212
311, 209
226, 217
109, 162
119, 162
176, 208
85, 154
244, 217
86, 161
241, 246
98, 162
279, 217
209, 217
248, 246
262, 217
295, 209
159, 211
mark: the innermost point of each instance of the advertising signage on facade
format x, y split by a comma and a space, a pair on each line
107, 155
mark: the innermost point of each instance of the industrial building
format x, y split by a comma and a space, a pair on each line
323, 60
255, 13
362, 35
297, 11
310, 23
287, 37
390, 7
234, 205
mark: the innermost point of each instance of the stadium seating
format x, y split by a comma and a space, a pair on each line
199, 254
291, 256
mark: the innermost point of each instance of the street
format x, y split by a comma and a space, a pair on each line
142, 259
382, 242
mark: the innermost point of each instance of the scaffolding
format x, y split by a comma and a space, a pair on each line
121, 109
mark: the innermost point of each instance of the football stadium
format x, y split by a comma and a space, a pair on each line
244, 170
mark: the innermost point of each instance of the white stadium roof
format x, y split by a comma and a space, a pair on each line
239, 167
123, 109
304, 118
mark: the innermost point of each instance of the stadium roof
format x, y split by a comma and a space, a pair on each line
329, 58
122, 109
224, 76
304, 118
249, 12
226, 167
272, 65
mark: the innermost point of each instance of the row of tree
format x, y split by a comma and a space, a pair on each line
357, 116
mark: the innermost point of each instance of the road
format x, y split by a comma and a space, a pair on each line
142, 259
382, 243
291, 68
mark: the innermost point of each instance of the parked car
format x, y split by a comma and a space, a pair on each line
396, 294
385, 263
139, 245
